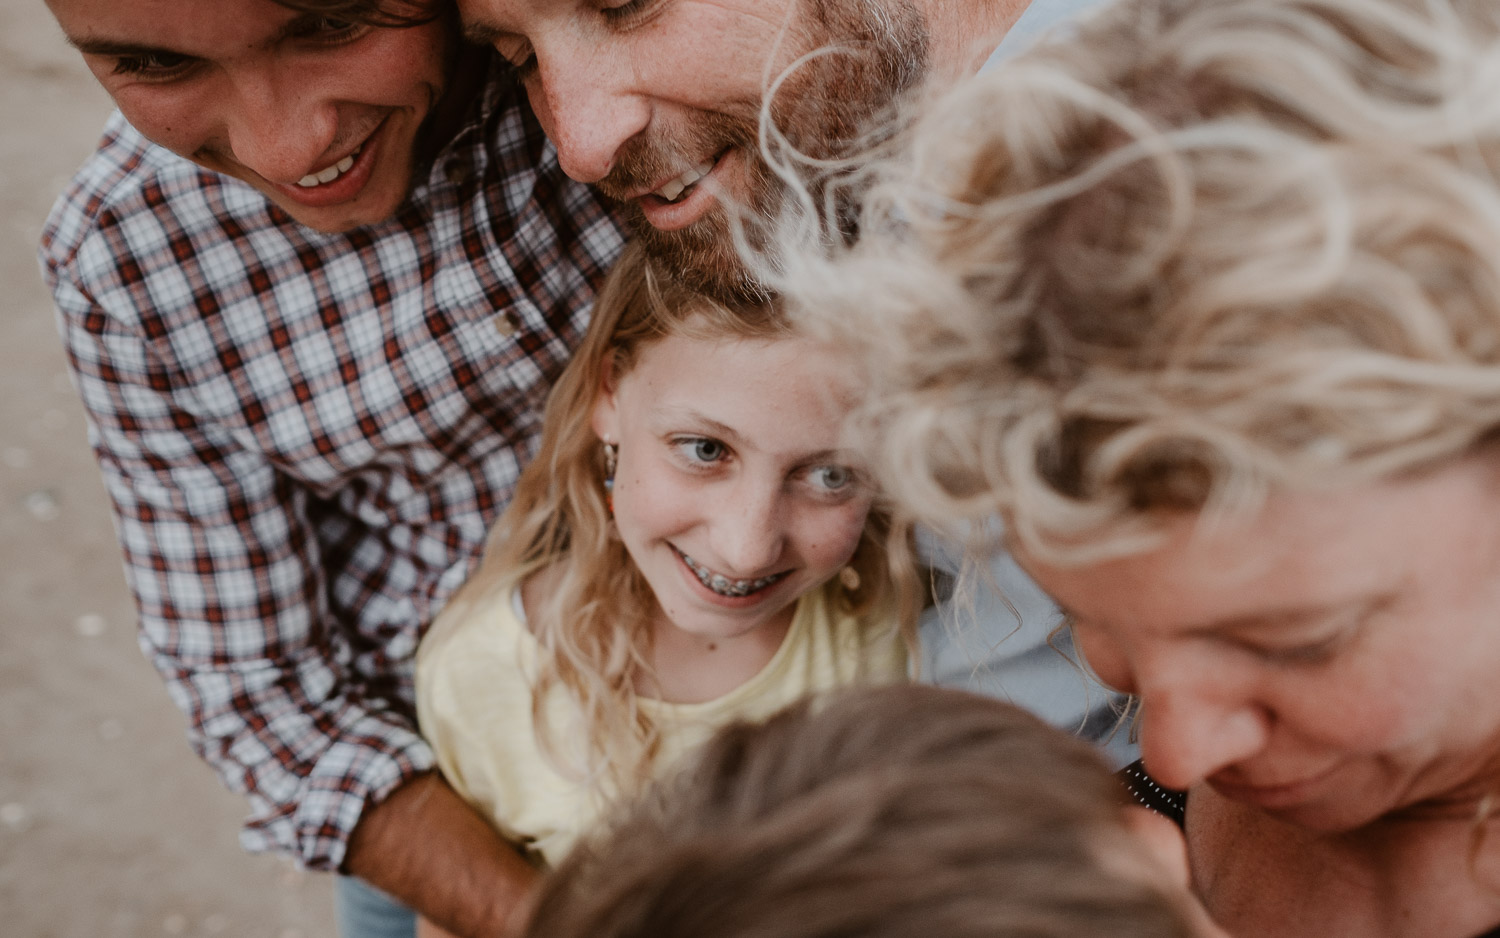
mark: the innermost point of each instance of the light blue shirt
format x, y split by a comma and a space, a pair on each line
1039, 18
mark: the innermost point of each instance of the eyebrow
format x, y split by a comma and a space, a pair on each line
116, 47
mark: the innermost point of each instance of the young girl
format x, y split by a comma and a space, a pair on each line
688, 548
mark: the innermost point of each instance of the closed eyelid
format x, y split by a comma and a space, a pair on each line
1308, 622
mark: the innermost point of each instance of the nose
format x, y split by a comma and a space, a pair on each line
749, 534
279, 127
587, 108
1192, 729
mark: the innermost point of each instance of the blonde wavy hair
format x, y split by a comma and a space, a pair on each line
593, 627
1195, 251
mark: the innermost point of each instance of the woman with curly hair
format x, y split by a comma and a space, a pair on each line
1203, 300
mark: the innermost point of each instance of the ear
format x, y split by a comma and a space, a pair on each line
606, 416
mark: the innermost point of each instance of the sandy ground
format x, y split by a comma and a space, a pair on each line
109, 826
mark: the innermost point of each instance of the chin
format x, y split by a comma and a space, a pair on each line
337, 219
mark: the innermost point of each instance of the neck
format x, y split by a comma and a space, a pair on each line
1398, 877
466, 81
688, 668
965, 32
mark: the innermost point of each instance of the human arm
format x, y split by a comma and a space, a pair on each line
229, 575
426, 846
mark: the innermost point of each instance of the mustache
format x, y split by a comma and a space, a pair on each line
645, 160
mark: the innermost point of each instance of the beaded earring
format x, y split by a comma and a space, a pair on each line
609, 476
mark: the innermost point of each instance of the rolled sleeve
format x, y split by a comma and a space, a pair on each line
227, 576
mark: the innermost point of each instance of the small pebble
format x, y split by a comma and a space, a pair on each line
90, 625
42, 505
13, 814
111, 729
16, 457
174, 924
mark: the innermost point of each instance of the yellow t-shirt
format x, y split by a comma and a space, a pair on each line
474, 705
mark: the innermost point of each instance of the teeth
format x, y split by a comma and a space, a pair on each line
328, 175
672, 190
722, 584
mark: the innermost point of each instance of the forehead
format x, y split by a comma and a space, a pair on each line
198, 27
1302, 552
786, 389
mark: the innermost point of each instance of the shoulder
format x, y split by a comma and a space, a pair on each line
478, 628
152, 242
128, 185
853, 648
1041, 18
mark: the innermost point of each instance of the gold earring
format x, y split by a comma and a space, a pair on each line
609, 476
849, 578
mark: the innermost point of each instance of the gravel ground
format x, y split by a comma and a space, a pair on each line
109, 826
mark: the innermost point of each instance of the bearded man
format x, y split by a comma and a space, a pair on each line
659, 103
671, 107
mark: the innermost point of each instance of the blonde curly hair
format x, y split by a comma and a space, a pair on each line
1195, 251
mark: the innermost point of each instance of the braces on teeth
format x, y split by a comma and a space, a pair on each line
724, 586
331, 173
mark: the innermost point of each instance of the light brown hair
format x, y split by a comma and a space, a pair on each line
890, 813
383, 13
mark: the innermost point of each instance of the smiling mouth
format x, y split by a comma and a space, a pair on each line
324, 176
681, 186
722, 585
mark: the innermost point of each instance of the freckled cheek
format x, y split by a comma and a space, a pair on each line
652, 506
833, 539
182, 129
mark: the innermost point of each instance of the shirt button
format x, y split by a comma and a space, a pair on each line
457, 171
505, 326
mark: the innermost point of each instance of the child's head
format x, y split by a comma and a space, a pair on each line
730, 495
896, 811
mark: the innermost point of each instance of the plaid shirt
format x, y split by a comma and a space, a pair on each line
306, 436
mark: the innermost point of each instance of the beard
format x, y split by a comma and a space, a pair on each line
826, 109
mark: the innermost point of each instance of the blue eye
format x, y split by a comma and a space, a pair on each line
701, 449
832, 478
706, 450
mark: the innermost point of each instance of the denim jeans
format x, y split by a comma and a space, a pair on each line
365, 912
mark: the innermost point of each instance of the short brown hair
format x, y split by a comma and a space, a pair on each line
384, 13
895, 811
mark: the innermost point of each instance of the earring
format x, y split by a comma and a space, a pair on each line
849, 579
609, 476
